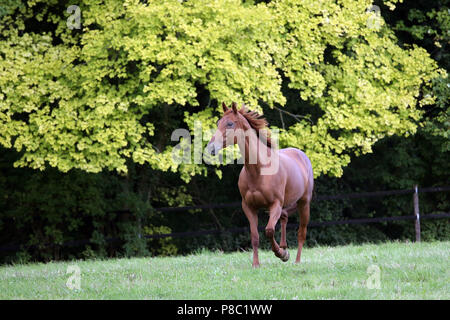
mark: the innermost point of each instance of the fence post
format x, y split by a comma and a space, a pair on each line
416, 212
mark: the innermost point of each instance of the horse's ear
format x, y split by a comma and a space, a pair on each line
234, 107
243, 107
224, 107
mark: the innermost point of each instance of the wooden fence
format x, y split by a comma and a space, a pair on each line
416, 216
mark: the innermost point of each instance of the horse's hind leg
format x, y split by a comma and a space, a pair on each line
283, 220
303, 209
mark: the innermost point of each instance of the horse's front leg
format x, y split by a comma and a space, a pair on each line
252, 216
275, 214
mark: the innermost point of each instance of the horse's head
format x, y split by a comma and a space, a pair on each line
226, 127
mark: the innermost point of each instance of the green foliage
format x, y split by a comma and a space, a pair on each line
332, 76
428, 25
400, 164
46, 211
164, 246
91, 98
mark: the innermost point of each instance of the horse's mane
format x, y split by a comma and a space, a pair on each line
257, 122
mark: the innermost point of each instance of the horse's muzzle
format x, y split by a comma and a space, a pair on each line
214, 147
211, 149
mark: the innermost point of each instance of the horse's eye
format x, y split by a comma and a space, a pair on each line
230, 124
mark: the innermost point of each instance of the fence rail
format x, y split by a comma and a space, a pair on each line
317, 198
295, 225
416, 217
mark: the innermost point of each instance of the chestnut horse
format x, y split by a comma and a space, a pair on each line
283, 191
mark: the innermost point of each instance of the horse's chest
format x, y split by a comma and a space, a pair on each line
257, 198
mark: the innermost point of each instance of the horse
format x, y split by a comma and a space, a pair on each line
282, 191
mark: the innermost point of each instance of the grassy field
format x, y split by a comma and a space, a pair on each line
383, 271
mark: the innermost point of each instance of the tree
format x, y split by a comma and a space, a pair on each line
428, 24
111, 92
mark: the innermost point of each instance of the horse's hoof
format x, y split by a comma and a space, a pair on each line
285, 257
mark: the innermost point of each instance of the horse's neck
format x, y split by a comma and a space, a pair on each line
256, 154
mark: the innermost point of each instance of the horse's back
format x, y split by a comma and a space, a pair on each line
299, 156
299, 169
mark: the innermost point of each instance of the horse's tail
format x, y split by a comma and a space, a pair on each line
311, 176
311, 185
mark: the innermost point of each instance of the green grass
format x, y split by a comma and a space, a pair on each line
407, 271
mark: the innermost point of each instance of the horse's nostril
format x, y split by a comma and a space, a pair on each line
211, 149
